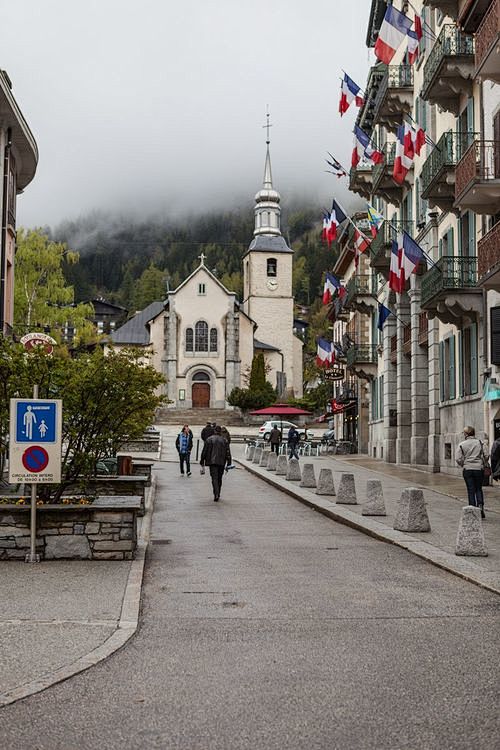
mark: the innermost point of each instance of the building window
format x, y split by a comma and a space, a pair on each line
213, 339
272, 267
202, 289
467, 356
447, 368
201, 336
189, 340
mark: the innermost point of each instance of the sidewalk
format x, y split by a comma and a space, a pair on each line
444, 495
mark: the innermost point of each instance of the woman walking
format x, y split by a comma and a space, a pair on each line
471, 456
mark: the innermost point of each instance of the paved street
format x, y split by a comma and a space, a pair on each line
266, 625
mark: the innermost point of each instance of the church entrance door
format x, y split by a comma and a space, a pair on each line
201, 395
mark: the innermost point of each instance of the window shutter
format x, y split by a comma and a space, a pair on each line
451, 242
460, 364
440, 245
495, 336
452, 368
470, 117
471, 250
473, 359
381, 398
441, 368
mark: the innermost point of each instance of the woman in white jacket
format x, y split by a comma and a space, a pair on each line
470, 454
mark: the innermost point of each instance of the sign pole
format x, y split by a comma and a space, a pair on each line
32, 557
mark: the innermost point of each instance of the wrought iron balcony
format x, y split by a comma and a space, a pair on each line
454, 273
477, 183
362, 354
438, 172
395, 96
423, 329
449, 69
358, 288
360, 181
383, 181
380, 248
487, 60
488, 259
375, 78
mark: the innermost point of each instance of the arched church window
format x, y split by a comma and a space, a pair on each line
201, 377
189, 340
213, 339
272, 267
201, 336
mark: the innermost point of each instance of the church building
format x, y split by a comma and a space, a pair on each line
203, 339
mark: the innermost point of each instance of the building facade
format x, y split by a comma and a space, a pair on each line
435, 364
19, 158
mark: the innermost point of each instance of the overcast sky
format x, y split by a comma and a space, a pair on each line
155, 106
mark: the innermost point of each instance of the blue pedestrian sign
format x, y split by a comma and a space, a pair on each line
36, 421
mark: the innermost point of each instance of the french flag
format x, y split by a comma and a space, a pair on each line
337, 216
415, 139
349, 92
404, 155
410, 254
395, 268
324, 353
360, 242
326, 225
414, 37
393, 32
364, 147
330, 288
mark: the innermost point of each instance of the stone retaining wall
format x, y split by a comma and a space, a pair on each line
71, 532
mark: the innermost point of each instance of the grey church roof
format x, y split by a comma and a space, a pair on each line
267, 347
268, 243
134, 331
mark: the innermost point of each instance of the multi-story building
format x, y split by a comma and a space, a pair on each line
19, 157
436, 366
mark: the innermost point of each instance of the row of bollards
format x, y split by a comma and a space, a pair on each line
411, 513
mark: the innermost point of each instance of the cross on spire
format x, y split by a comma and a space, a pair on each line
267, 126
202, 258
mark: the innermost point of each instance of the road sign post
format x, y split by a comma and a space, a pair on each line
35, 449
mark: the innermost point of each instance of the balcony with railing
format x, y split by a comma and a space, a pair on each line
360, 180
477, 179
380, 248
360, 288
384, 184
423, 329
395, 96
438, 171
487, 59
449, 69
488, 259
365, 116
449, 289
407, 339
362, 360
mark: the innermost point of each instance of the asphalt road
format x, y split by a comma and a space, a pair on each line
266, 625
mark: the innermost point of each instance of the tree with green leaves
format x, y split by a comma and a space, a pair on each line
150, 287
259, 393
42, 297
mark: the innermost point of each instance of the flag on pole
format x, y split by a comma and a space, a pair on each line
360, 245
383, 314
326, 225
410, 255
414, 37
330, 288
337, 216
364, 147
349, 93
403, 160
376, 220
338, 169
395, 268
393, 32
324, 354
415, 138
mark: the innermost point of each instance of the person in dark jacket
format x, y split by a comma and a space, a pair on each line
216, 455
293, 442
495, 459
207, 431
225, 434
275, 439
184, 445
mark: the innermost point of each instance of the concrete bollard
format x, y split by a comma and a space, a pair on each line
282, 465
257, 455
411, 514
293, 471
346, 494
470, 536
325, 483
374, 505
251, 452
308, 477
264, 457
272, 461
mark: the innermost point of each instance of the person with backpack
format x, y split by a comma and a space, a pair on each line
184, 445
293, 442
217, 456
471, 456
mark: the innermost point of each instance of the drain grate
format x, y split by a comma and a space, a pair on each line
161, 541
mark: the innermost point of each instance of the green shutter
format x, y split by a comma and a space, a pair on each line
441, 370
460, 364
473, 359
470, 117
381, 398
451, 242
440, 247
452, 368
471, 249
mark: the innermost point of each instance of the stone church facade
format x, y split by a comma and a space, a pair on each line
203, 339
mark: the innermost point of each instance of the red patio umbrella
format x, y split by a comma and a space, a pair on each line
280, 410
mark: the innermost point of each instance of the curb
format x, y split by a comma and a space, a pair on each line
438, 557
127, 624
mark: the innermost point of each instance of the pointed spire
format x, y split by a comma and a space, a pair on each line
268, 175
267, 201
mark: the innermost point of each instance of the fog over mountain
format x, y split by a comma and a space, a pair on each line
157, 108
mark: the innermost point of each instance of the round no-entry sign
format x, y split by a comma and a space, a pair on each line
35, 459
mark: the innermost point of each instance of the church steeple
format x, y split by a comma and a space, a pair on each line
267, 200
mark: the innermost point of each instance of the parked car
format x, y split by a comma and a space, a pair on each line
328, 437
265, 430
